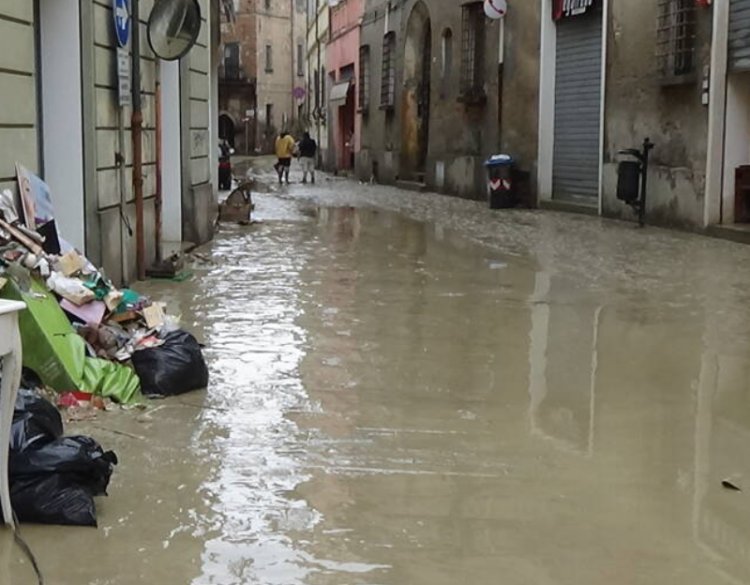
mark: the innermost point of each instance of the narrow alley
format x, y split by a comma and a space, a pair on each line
413, 390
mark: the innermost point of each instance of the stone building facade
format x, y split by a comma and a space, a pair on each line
443, 87
263, 73
61, 119
316, 108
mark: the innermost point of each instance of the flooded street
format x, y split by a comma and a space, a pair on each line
407, 389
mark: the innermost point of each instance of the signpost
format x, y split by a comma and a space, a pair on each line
121, 13
122, 20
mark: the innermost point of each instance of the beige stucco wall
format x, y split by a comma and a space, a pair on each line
18, 117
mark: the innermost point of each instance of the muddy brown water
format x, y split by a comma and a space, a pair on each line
393, 403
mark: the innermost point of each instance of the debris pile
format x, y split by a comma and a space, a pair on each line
80, 333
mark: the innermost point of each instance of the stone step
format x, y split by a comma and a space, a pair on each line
411, 186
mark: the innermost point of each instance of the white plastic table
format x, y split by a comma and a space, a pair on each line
10, 352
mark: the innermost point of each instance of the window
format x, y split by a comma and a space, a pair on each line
323, 86
363, 86
388, 80
232, 61
446, 54
446, 63
267, 4
317, 89
269, 59
269, 115
300, 61
472, 53
676, 39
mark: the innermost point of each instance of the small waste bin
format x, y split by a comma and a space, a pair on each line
500, 185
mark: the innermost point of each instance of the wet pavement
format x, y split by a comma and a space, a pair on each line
408, 389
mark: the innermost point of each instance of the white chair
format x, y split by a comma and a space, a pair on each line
10, 352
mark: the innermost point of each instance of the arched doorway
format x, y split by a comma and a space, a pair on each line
415, 111
226, 129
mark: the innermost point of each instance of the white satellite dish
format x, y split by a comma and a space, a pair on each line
173, 27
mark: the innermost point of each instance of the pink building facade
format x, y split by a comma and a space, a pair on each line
342, 58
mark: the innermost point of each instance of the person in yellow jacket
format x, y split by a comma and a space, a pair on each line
285, 147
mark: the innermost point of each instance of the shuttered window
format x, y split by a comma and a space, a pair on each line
739, 35
363, 85
388, 80
473, 53
676, 39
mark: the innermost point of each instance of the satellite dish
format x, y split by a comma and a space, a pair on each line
173, 27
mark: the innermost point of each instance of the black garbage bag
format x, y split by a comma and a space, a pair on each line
36, 422
52, 499
79, 460
173, 368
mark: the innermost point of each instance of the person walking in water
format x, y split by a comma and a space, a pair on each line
285, 146
307, 151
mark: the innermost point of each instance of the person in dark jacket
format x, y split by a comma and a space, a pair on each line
308, 148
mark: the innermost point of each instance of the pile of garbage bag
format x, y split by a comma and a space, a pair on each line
80, 333
53, 478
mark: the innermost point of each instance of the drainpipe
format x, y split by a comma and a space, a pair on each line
293, 53
137, 131
158, 199
321, 81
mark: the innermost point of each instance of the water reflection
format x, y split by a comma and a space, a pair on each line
391, 403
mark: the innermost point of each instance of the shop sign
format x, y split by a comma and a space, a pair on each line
568, 8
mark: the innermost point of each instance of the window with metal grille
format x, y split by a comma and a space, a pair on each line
232, 61
676, 39
472, 53
388, 80
269, 59
363, 86
300, 61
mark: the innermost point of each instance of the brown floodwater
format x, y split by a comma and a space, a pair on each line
404, 394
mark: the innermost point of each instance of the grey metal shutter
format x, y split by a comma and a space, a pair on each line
578, 86
739, 35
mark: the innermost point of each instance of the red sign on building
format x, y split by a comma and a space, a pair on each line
566, 8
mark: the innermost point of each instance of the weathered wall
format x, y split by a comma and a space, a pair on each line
317, 38
101, 126
461, 136
282, 26
18, 115
343, 52
639, 105
520, 86
198, 197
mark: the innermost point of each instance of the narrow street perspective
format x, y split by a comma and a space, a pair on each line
374, 292
405, 389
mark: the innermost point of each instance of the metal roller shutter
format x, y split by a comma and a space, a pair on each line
739, 35
578, 107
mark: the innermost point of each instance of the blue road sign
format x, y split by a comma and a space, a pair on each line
121, 12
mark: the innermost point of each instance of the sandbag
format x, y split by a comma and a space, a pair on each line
173, 368
36, 422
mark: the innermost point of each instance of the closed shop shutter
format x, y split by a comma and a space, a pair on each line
739, 35
578, 89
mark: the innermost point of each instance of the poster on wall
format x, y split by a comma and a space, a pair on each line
36, 203
567, 8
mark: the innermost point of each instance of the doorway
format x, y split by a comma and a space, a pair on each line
226, 129
415, 111
59, 62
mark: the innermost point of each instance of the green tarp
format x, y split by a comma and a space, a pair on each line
57, 354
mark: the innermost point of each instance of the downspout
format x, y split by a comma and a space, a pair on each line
321, 81
137, 131
158, 199
293, 53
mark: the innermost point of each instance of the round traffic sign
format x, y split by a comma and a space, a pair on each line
121, 13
